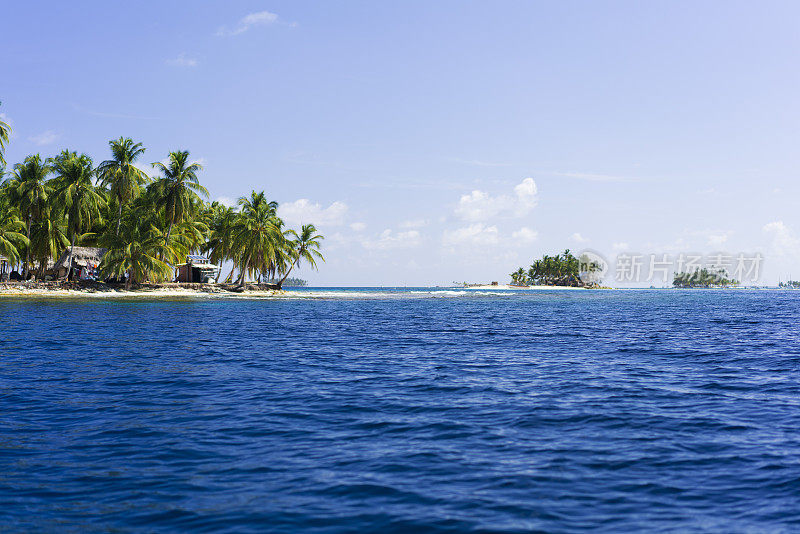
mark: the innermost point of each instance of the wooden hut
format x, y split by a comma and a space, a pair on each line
197, 269
5, 269
85, 262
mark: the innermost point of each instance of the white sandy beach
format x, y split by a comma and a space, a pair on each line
506, 287
171, 292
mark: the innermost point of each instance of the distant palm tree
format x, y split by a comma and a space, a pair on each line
30, 193
121, 175
304, 247
518, 276
178, 188
76, 196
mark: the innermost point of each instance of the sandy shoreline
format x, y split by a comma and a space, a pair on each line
506, 287
149, 293
211, 291
99, 290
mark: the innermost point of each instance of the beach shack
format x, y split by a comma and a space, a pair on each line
197, 270
5, 269
85, 263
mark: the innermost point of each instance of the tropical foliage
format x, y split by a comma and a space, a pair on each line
560, 270
703, 278
147, 224
5, 132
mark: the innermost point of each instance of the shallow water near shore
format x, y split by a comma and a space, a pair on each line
374, 410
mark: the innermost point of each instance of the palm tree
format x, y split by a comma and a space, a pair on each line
121, 175
518, 276
12, 238
30, 195
304, 247
257, 235
137, 252
178, 188
5, 133
222, 220
48, 238
77, 196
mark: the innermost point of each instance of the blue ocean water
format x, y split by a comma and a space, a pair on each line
403, 411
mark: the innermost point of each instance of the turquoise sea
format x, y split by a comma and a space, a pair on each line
402, 410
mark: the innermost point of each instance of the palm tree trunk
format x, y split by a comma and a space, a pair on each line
166, 241
119, 217
244, 271
285, 276
26, 265
69, 263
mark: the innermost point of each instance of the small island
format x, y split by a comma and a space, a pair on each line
561, 270
704, 278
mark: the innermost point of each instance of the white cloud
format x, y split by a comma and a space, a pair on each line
481, 206
620, 246
260, 18
45, 138
414, 223
578, 238
358, 226
784, 241
525, 234
393, 240
303, 211
182, 61
717, 239
226, 201
474, 234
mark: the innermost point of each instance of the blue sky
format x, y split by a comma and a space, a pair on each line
441, 141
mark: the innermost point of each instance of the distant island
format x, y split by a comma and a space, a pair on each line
560, 270
704, 278
290, 282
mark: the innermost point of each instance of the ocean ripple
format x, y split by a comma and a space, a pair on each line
388, 411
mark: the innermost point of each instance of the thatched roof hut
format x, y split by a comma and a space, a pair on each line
81, 257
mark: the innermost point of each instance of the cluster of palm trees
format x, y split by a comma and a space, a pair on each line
147, 224
703, 278
560, 270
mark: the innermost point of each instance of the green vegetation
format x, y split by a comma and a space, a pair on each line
560, 270
704, 278
791, 284
5, 132
147, 224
